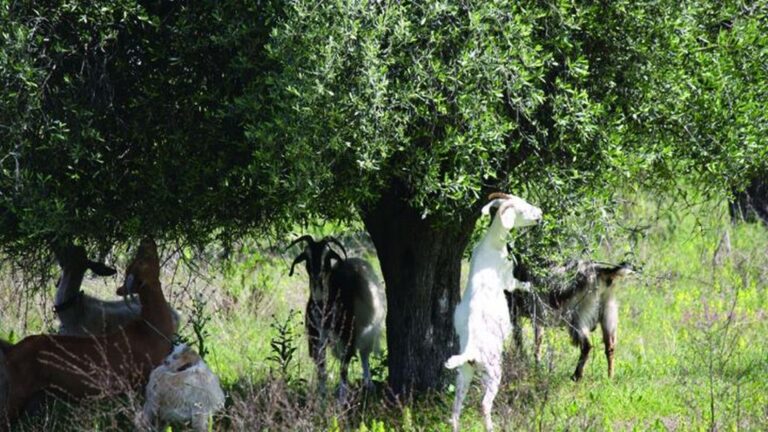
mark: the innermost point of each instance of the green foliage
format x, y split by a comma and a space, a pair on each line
118, 119
704, 112
562, 102
443, 97
197, 120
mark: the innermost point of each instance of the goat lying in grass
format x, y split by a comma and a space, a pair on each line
113, 363
81, 314
576, 296
181, 390
482, 318
346, 307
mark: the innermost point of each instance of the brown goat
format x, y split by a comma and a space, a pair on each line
81, 314
109, 364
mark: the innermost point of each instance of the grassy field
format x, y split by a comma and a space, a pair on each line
691, 354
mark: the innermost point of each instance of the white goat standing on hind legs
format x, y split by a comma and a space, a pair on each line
482, 319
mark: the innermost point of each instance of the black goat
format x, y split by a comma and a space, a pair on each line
577, 295
346, 307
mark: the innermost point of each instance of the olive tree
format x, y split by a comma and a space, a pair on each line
198, 119
409, 113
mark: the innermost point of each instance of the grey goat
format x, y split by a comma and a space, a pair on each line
577, 295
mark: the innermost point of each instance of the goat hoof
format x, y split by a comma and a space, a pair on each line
341, 394
575, 378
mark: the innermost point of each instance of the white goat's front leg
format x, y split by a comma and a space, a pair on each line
515, 284
510, 283
146, 418
463, 380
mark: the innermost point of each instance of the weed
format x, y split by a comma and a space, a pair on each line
283, 346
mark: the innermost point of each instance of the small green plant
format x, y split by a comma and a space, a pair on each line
283, 345
199, 320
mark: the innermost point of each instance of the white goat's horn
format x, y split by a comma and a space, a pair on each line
499, 195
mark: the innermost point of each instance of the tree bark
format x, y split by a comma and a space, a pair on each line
421, 264
4, 387
752, 203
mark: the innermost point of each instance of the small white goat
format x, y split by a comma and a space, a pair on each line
181, 390
482, 319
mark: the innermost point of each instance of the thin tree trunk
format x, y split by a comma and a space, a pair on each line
421, 265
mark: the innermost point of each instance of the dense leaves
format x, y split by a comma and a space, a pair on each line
118, 119
560, 101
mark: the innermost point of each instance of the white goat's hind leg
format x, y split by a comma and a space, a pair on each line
491, 381
365, 361
463, 380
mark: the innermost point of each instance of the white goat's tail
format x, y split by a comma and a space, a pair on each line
459, 359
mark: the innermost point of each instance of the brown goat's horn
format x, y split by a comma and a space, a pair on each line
307, 238
334, 240
499, 195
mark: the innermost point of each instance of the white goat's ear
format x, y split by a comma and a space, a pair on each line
486, 210
508, 216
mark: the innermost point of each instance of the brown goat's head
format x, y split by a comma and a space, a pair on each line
318, 258
143, 270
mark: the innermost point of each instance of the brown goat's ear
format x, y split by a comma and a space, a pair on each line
301, 257
101, 269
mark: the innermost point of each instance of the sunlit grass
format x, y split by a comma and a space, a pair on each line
691, 342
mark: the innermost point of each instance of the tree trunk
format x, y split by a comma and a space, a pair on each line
421, 265
4, 387
751, 203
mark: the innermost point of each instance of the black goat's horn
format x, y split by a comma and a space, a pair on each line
331, 255
334, 240
307, 238
301, 257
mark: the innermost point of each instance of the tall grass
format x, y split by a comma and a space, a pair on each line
691, 354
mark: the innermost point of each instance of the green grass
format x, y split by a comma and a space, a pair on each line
692, 342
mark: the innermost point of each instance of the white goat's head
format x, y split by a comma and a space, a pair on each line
512, 211
319, 258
